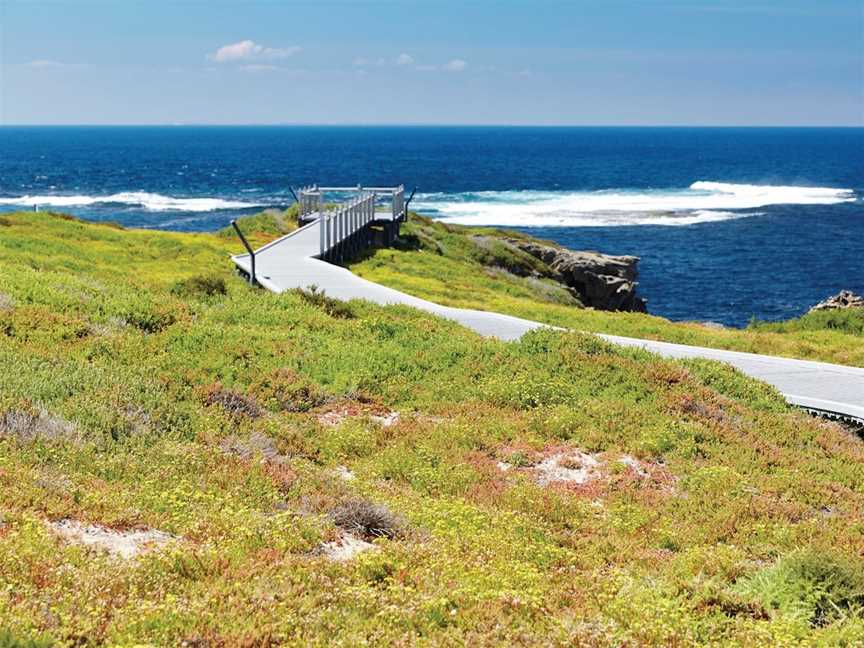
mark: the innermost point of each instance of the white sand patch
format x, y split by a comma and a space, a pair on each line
337, 417
345, 548
387, 420
344, 473
503, 466
123, 544
571, 467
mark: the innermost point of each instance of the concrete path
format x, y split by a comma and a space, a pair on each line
289, 262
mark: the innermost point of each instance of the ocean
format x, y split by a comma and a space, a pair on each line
730, 223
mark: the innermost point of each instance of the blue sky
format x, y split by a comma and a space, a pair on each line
664, 62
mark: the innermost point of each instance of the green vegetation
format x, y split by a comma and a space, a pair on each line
256, 428
449, 265
849, 321
265, 226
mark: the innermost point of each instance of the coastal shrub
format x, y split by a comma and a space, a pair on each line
367, 519
200, 286
665, 550
284, 390
814, 585
267, 224
317, 298
10, 640
845, 320
234, 403
147, 316
34, 423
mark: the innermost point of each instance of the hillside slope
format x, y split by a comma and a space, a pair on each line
447, 264
232, 449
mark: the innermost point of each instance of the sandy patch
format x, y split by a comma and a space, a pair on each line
345, 548
572, 467
634, 464
123, 544
344, 473
337, 416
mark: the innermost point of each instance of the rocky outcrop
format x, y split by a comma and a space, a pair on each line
598, 280
843, 299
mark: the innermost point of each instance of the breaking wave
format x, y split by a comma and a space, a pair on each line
150, 201
701, 202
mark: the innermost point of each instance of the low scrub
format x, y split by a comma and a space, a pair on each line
367, 520
844, 320
32, 424
256, 428
200, 286
234, 403
817, 586
316, 297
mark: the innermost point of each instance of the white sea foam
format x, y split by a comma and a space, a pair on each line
701, 202
150, 201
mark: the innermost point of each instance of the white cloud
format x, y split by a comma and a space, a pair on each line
404, 59
456, 65
247, 50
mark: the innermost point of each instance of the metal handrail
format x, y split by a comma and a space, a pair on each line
252, 278
408, 202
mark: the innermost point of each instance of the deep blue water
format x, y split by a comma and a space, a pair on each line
713, 247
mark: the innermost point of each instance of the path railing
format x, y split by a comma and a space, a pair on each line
345, 230
312, 201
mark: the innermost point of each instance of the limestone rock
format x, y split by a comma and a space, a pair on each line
843, 299
599, 280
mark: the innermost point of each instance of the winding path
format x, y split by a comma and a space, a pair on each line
290, 262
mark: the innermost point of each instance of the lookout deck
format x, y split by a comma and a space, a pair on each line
300, 260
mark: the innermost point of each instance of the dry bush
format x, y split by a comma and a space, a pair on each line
32, 424
234, 403
284, 390
315, 296
256, 444
367, 520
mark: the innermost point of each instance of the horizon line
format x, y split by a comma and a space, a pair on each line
406, 124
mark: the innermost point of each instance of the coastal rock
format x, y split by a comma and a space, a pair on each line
602, 281
843, 299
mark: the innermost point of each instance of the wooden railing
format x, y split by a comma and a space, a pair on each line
345, 229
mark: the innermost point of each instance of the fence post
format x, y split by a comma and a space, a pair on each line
329, 234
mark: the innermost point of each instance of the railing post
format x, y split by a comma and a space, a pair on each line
252, 278
322, 235
329, 226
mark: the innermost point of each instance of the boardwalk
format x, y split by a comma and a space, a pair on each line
291, 262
